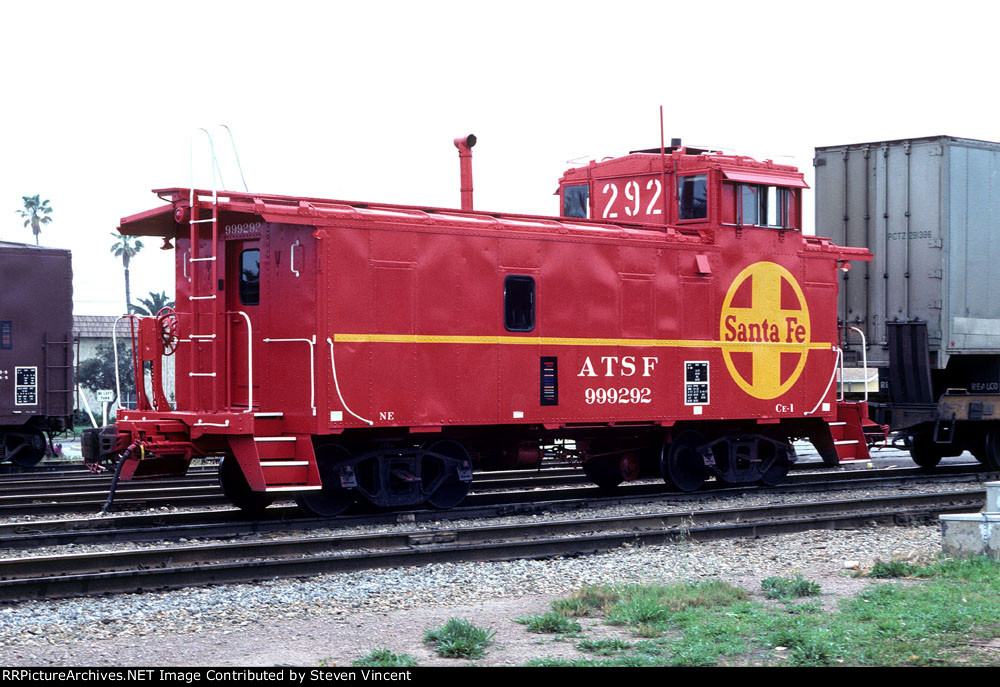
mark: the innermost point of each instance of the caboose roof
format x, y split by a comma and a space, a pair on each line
162, 221
685, 161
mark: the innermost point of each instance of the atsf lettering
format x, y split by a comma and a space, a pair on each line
615, 366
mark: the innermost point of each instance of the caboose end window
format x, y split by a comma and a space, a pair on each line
519, 303
692, 197
250, 277
576, 201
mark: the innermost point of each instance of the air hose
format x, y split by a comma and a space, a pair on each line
118, 471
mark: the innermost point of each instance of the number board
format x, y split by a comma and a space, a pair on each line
639, 198
696, 383
26, 386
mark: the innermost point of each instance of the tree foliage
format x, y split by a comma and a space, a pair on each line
36, 212
153, 304
99, 372
126, 248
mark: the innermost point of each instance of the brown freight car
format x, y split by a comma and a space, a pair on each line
36, 355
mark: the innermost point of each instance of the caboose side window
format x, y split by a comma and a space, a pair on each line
692, 197
250, 277
774, 210
519, 303
749, 204
765, 206
576, 201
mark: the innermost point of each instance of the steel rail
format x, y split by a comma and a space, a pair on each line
85, 484
202, 524
496, 492
56, 486
178, 567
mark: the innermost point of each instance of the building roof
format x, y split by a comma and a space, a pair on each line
93, 326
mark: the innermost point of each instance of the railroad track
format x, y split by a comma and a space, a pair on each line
174, 525
489, 489
175, 567
89, 493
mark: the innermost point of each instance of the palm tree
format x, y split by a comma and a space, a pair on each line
36, 213
126, 247
153, 304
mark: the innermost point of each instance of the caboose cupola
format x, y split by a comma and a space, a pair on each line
683, 187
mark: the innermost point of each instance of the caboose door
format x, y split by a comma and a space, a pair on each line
243, 320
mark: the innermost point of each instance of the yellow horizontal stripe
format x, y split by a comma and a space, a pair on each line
564, 341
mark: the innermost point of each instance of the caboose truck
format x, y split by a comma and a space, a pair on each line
674, 320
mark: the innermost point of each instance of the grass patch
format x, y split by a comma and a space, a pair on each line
383, 658
891, 569
949, 615
551, 623
604, 647
459, 639
650, 608
549, 662
789, 587
589, 601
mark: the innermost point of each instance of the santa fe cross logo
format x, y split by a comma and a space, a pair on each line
764, 329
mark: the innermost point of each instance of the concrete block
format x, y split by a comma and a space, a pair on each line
992, 497
971, 534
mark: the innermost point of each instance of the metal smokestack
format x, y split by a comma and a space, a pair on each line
464, 146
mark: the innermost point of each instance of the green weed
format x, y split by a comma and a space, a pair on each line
789, 588
459, 639
604, 647
551, 623
589, 601
383, 658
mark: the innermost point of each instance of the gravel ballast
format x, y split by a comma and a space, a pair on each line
334, 619
337, 618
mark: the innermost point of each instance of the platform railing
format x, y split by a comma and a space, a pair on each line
864, 361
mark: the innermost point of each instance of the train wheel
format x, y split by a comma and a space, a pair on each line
452, 489
333, 499
680, 463
774, 468
608, 472
25, 449
924, 451
990, 456
603, 472
235, 487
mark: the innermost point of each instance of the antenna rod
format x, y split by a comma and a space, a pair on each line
663, 170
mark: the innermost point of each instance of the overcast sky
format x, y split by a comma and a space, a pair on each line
361, 101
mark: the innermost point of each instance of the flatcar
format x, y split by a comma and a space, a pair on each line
925, 310
36, 350
672, 320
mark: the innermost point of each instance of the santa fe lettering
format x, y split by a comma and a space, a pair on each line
764, 331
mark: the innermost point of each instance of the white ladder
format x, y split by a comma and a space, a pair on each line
205, 308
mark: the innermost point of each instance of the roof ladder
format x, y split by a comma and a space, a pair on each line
204, 294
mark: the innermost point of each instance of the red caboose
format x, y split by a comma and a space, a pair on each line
347, 351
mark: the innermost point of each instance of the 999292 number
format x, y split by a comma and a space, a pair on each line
622, 395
